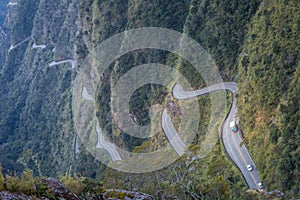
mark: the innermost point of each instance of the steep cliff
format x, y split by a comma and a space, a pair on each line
255, 43
269, 92
37, 129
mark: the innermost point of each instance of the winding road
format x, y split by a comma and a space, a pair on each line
232, 142
233, 145
101, 142
20, 43
35, 46
85, 95
110, 147
71, 61
12, 4
171, 133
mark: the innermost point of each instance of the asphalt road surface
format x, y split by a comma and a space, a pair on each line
71, 61
238, 152
85, 95
101, 142
19, 44
35, 46
171, 133
110, 147
233, 145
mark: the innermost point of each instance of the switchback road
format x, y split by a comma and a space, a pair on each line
20, 43
71, 61
233, 144
110, 147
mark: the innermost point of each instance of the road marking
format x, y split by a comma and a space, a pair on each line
174, 139
179, 93
244, 160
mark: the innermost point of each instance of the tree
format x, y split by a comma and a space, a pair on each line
1, 179
27, 182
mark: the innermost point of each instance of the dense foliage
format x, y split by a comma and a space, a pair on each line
269, 93
253, 42
35, 111
3, 10
41, 187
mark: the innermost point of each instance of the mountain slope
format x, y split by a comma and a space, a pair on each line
269, 93
253, 42
36, 99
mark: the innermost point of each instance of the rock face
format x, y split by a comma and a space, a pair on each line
276, 193
59, 189
11, 196
115, 194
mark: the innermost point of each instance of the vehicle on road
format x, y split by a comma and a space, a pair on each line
233, 126
250, 168
233, 143
260, 185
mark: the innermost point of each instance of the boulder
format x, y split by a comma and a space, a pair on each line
59, 189
116, 194
11, 196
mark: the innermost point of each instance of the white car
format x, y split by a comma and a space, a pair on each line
250, 168
233, 126
260, 186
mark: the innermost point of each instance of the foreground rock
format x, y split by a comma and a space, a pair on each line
54, 189
276, 193
125, 195
59, 189
11, 196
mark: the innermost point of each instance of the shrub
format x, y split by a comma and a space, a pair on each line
1, 179
27, 185
12, 183
74, 184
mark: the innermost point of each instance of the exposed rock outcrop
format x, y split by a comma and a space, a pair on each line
12, 196
115, 194
55, 189
59, 189
277, 193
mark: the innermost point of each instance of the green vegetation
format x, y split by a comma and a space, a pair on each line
3, 11
213, 177
220, 26
36, 109
23, 23
266, 64
2, 180
269, 94
74, 184
253, 42
38, 187
27, 184
84, 188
